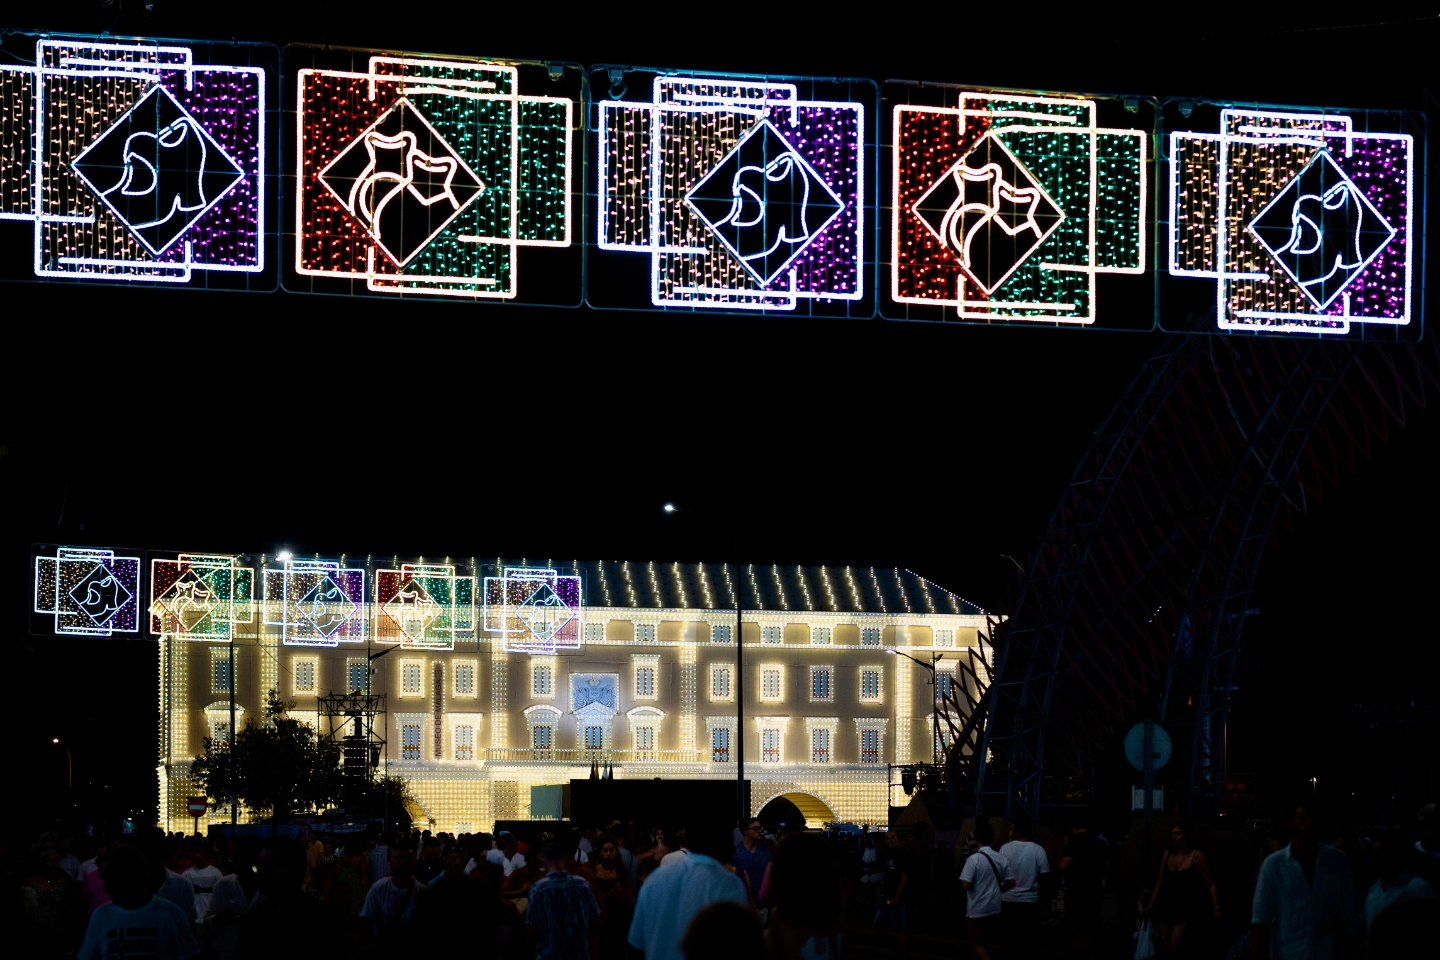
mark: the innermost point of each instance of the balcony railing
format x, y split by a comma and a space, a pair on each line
574, 756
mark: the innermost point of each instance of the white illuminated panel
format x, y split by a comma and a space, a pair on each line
425, 606
743, 195
316, 603
536, 610
1302, 223
143, 163
200, 596
89, 592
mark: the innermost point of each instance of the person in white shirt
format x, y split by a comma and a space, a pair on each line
1020, 905
985, 876
673, 895
136, 923
390, 903
202, 878
1304, 905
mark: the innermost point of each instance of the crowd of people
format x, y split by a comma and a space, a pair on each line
1314, 892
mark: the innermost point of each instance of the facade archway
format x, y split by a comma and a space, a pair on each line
815, 811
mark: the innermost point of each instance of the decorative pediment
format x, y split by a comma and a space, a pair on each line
595, 713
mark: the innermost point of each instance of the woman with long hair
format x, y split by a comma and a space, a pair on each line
1185, 895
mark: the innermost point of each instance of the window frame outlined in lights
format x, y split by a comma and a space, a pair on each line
438, 176
695, 178
1254, 194
142, 161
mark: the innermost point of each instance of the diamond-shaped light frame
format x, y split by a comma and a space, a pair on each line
448, 601
316, 603
651, 156
510, 601
519, 146
90, 592
201, 596
80, 89
1222, 182
1097, 177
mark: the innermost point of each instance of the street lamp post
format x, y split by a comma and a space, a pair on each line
69, 768
742, 801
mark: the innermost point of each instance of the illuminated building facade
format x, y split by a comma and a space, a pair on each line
649, 688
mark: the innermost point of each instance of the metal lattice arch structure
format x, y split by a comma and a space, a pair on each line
1135, 601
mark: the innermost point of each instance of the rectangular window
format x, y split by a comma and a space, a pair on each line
645, 632
412, 678
644, 738
822, 684
869, 746
772, 684
220, 731
721, 633
542, 680
820, 745
594, 738
304, 679
410, 738
594, 632
357, 671
464, 742
870, 637
543, 736
220, 671
772, 634
820, 636
645, 671
945, 638
944, 682
720, 688
870, 685
465, 679
720, 745
770, 745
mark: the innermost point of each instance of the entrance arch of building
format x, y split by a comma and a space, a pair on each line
816, 811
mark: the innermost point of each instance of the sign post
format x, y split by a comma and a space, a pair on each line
1148, 749
197, 807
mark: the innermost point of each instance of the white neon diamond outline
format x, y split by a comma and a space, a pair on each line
399, 104
51, 604
349, 613
114, 611
950, 171
1324, 155
543, 636
159, 89
805, 165
430, 605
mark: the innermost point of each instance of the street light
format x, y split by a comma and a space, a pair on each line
934, 696
742, 801
69, 765
284, 556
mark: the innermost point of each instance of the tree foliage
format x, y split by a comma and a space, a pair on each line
277, 767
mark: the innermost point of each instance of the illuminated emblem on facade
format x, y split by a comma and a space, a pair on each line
425, 606
536, 610
89, 592
200, 596
1007, 207
428, 176
140, 163
316, 603
1302, 221
744, 195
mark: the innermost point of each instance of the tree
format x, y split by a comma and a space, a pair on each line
278, 767
389, 798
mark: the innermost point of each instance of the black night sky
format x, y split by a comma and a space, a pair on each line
242, 423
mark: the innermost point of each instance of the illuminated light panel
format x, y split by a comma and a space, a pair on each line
200, 596
1302, 222
480, 172
134, 161
423, 606
316, 603
89, 592
743, 195
536, 610
1007, 207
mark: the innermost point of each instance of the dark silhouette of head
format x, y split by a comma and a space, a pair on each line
723, 931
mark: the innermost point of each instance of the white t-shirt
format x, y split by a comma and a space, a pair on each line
674, 856
514, 863
390, 905
202, 881
1381, 898
1028, 862
1307, 918
672, 896
159, 929
984, 899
